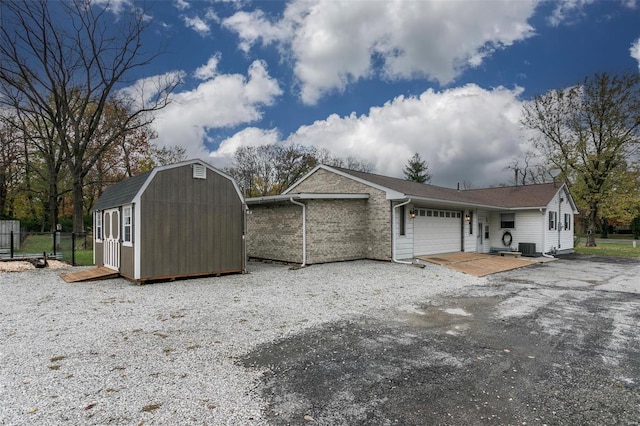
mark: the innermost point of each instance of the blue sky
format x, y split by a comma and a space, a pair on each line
378, 80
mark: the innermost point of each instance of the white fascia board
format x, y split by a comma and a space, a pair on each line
296, 183
390, 193
305, 196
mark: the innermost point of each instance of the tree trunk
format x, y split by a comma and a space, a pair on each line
52, 206
78, 206
604, 231
591, 228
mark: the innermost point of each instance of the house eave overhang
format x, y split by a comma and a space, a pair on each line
429, 200
464, 204
304, 196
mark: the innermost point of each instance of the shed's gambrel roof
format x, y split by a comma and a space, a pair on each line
121, 193
509, 197
125, 192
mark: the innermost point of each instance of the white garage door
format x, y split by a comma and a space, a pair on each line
437, 231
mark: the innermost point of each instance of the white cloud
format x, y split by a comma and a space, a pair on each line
250, 136
181, 4
635, 51
334, 43
567, 11
209, 70
465, 134
197, 24
225, 100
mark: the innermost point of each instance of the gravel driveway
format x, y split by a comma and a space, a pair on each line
338, 344
112, 352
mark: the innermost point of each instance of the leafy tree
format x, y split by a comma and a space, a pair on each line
590, 132
61, 64
10, 167
417, 170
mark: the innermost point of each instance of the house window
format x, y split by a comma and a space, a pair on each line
126, 224
98, 225
403, 221
507, 220
567, 221
553, 220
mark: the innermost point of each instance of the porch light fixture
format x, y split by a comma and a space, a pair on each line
412, 214
467, 217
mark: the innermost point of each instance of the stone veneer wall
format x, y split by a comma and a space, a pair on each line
274, 231
377, 242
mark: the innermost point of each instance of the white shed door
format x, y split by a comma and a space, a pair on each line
437, 231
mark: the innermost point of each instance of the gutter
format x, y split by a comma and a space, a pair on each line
393, 233
304, 231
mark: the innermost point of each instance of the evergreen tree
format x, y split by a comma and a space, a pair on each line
417, 170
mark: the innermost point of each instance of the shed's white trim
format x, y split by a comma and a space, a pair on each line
137, 240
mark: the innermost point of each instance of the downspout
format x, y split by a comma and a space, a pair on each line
304, 230
393, 233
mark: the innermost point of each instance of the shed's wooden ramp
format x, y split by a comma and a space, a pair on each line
99, 273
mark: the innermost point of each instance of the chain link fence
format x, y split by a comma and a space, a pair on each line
69, 247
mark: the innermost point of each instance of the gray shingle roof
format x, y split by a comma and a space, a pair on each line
508, 196
121, 193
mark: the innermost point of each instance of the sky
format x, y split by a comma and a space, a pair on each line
378, 80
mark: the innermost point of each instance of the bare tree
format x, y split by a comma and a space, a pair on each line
271, 169
588, 132
63, 64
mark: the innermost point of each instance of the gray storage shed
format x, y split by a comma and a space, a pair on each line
182, 220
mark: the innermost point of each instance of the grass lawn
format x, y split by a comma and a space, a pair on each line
40, 243
610, 249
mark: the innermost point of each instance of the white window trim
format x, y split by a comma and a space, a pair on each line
97, 216
124, 225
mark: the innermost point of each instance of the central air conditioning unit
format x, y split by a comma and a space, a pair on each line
527, 249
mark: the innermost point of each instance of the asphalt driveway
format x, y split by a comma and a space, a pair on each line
555, 344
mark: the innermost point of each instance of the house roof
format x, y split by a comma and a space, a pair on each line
121, 193
305, 196
510, 197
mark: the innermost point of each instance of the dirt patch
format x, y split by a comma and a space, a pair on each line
23, 265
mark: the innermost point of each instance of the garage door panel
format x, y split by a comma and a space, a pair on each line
434, 234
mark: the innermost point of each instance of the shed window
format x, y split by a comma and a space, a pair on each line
553, 220
98, 225
507, 220
126, 224
567, 221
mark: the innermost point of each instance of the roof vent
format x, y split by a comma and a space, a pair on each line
199, 171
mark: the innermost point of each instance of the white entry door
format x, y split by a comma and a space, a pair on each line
111, 241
